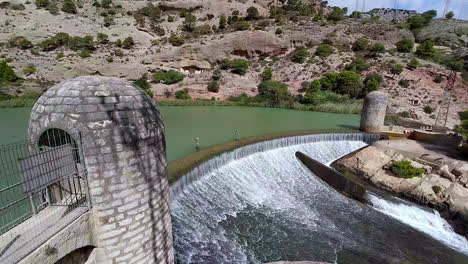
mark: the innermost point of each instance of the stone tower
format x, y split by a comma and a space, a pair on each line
373, 112
124, 149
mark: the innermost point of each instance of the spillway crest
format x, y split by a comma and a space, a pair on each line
259, 204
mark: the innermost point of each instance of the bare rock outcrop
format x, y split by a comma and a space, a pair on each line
438, 187
246, 44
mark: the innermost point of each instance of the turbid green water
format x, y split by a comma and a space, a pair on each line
213, 125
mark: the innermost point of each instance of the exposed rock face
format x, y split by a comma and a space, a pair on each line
389, 14
246, 44
440, 190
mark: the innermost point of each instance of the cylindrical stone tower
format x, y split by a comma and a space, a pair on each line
124, 151
373, 112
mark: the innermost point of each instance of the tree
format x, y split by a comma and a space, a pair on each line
426, 49
429, 15
324, 50
300, 56
396, 69
350, 83
7, 74
374, 76
405, 45
267, 74
169, 77
275, 93
450, 15
416, 22
189, 23
360, 44
69, 7
252, 13
241, 25
328, 82
222, 22
370, 85
337, 13
236, 66
413, 64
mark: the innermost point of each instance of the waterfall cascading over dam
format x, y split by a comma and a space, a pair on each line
259, 203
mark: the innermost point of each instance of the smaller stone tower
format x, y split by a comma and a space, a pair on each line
122, 135
373, 112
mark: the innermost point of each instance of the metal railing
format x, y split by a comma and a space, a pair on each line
43, 188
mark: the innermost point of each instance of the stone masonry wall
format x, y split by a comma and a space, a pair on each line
125, 154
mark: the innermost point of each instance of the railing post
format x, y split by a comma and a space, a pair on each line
85, 171
31, 200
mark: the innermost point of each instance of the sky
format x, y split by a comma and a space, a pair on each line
459, 7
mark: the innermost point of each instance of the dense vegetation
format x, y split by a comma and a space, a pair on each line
404, 169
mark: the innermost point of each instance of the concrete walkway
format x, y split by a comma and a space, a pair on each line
33, 232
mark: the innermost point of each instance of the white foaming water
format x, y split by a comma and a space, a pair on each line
425, 220
241, 206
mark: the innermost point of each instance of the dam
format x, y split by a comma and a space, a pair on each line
259, 204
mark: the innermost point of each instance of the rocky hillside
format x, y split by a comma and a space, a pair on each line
136, 39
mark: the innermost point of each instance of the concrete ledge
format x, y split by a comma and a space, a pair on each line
178, 168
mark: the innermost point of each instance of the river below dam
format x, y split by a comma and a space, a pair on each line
259, 204
212, 124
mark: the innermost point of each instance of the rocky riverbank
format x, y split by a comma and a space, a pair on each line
443, 185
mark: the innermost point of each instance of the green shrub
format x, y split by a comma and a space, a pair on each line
328, 82
106, 3
142, 83
337, 13
428, 109
118, 53
252, 13
405, 45
454, 65
350, 83
375, 76
108, 21
222, 22
176, 40
396, 69
25, 44
378, 48
69, 6
439, 79
426, 49
110, 59
102, 38
150, 11
413, 64
30, 69
183, 94
360, 44
202, 30
318, 97
356, 14
236, 66
267, 74
128, 43
7, 74
370, 86
449, 15
405, 114
300, 56
274, 93
41, 3
279, 31
357, 65
404, 169
84, 54
59, 56
213, 86
324, 50
169, 77
404, 83
216, 75
189, 23
241, 25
